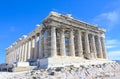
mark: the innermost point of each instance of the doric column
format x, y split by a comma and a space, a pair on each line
25, 51
36, 47
62, 43
40, 46
20, 54
79, 43
53, 42
29, 48
93, 46
12, 57
71, 44
33, 47
87, 46
23, 48
100, 55
103, 46
14, 53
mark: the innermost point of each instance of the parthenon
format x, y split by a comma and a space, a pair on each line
59, 36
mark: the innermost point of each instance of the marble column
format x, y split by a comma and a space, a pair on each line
26, 50
100, 55
33, 47
93, 46
23, 47
11, 57
36, 47
20, 53
103, 47
87, 46
53, 42
62, 43
79, 43
14, 53
40, 46
71, 44
29, 48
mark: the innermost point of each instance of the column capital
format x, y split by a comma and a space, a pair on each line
37, 34
29, 39
33, 37
103, 35
62, 30
86, 31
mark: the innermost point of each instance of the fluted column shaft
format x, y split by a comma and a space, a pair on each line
79, 41
100, 55
29, 48
22, 53
53, 42
36, 47
62, 43
32, 48
71, 44
14, 53
25, 52
103, 48
40, 46
87, 46
19, 53
93, 46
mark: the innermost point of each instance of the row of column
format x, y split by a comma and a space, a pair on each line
33, 48
100, 52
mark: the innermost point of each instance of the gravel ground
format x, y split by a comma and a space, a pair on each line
100, 71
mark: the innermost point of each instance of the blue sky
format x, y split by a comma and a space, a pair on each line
19, 17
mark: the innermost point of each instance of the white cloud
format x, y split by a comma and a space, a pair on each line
114, 55
109, 20
110, 17
110, 46
112, 43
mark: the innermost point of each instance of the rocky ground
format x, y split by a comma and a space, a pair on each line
100, 71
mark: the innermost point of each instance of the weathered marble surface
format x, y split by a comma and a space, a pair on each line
66, 61
100, 71
22, 64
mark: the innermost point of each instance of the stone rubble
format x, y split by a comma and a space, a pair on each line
100, 71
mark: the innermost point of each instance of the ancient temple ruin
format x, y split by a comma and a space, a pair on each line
60, 39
